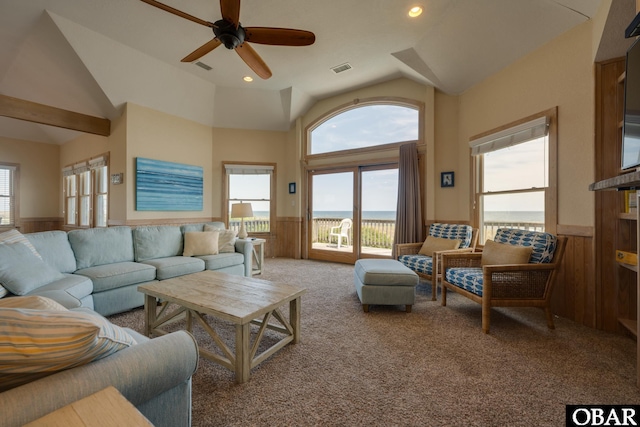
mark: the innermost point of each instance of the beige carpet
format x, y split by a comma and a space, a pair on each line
431, 367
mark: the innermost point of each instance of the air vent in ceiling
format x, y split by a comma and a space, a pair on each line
203, 65
340, 68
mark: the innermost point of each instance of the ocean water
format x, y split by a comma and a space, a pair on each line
498, 216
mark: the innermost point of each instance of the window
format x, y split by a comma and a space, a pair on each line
9, 174
251, 183
514, 184
367, 125
85, 188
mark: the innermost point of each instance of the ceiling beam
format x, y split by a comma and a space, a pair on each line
39, 113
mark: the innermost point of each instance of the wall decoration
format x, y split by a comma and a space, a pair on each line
168, 186
447, 179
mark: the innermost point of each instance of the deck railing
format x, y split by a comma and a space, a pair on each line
375, 233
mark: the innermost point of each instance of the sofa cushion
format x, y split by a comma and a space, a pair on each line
76, 285
433, 244
166, 268
10, 237
494, 253
226, 238
37, 343
216, 262
100, 246
14, 236
55, 249
200, 243
21, 271
117, 275
157, 242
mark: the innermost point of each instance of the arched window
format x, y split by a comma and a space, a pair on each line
365, 125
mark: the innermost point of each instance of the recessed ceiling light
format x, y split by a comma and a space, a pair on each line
415, 11
247, 78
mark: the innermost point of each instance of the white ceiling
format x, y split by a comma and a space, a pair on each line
92, 56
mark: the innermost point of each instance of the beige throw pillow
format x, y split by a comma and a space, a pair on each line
200, 243
495, 253
226, 239
433, 244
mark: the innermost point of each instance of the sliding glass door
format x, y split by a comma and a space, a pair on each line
352, 213
331, 215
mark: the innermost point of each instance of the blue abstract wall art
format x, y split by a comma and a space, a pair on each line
168, 186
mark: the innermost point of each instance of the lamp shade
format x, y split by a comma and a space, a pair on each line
241, 210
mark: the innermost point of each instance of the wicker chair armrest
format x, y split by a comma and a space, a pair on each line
408, 248
460, 259
520, 267
517, 282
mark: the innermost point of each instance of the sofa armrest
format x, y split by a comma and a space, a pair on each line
140, 373
245, 247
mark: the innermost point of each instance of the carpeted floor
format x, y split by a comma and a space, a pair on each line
431, 367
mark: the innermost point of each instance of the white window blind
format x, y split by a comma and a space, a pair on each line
248, 169
509, 137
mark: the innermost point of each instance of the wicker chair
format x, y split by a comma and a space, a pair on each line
422, 265
515, 285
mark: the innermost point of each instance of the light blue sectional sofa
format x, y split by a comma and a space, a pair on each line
154, 375
101, 268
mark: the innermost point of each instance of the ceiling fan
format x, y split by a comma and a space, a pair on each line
232, 35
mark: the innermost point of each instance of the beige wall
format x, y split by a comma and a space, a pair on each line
236, 145
159, 136
40, 182
558, 74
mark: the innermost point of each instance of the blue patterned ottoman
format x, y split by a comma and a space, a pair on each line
384, 282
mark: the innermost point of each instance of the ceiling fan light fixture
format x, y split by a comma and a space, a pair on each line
415, 11
247, 79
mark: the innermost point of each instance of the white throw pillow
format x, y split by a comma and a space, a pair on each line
226, 239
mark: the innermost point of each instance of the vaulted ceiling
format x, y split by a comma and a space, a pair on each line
93, 56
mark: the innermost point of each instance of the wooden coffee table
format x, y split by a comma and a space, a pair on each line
240, 300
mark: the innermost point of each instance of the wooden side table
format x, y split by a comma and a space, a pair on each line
102, 409
258, 255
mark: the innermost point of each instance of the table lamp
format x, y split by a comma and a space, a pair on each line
242, 211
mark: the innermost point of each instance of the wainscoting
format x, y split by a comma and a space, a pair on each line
575, 294
578, 294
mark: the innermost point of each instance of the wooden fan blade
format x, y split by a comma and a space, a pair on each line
253, 60
179, 13
279, 36
202, 50
230, 11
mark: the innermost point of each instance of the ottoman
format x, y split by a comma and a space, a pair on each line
384, 282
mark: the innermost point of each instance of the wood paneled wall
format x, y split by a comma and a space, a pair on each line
575, 294
34, 225
614, 291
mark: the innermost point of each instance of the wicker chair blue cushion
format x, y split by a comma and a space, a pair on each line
423, 264
544, 246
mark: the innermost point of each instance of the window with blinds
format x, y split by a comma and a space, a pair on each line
513, 178
85, 188
251, 183
8, 195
